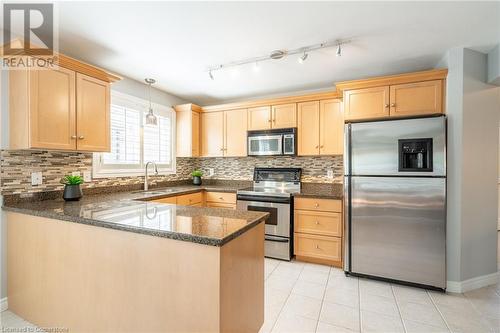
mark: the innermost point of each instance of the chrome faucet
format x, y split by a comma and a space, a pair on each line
146, 174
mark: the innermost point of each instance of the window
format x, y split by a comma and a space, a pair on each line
133, 142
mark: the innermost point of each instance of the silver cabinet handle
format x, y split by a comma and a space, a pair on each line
317, 247
73, 136
387, 105
393, 105
317, 222
321, 146
316, 205
81, 137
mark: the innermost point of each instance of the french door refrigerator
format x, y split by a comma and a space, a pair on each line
395, 200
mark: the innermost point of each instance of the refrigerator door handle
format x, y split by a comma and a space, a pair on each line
347, 224
347, 149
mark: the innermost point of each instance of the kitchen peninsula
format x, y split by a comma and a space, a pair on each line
122, 263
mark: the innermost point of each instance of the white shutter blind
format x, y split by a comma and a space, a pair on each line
125, 136
157, 141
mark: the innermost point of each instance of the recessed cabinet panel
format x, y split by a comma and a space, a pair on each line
308, 128
93, 124
366, 103
259, 118
235, 133
52, 109
416, 98
212, 134
284, 115
331, 132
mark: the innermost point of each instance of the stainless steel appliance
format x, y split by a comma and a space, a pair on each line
272, 142
272, 193
395, 200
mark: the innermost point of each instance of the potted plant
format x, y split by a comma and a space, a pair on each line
197, 177
72, 190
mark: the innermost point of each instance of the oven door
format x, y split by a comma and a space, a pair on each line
263, 145
278, 223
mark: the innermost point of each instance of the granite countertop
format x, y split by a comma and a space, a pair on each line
323, 191
132, 211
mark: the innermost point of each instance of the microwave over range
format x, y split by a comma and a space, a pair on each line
272, 142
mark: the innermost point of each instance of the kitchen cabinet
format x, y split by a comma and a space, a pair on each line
276, 116
58, 109
318, 235
259, 118
212, 134
320, 128
92, 114
190, 199
366, 103
224, 133
188, 130
284, 115
308, 128
403, 95
418, 98
220, 200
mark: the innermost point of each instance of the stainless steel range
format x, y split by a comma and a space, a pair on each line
272, 192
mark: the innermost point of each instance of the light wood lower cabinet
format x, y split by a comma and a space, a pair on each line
202, 199
220, 200
58, 109
318, 235
190, 199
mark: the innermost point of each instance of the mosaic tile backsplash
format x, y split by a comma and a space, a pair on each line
17, 166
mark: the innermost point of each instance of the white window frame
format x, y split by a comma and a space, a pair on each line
114, 171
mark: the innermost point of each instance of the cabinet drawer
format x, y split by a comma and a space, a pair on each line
221, 197
221, 205
169, 200
189, 199
321, 247
319, 223
326, 205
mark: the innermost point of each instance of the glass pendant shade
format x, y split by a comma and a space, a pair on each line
151, 119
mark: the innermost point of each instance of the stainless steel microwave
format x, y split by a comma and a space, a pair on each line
272, 142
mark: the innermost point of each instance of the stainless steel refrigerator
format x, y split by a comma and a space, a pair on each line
395, 200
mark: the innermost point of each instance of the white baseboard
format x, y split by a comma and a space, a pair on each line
471, 284
4, 305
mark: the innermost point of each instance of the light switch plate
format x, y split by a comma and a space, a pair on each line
329, 173
211, 172
36, 178
87, 176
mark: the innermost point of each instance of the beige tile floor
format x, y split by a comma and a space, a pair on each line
303, 297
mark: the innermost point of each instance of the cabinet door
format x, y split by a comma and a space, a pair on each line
259, 118
417, 98
195, 134
235, 133
366, 103
52, 109
212, 133
308, 128
92, 114
331, 127
284, 115
184, 137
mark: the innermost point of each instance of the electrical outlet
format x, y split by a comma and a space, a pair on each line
87, 176
211, 172
36, 178
75, 173
329, 173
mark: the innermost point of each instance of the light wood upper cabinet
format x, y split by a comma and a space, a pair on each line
366, 103
58, 109
308, 128
188, 130
331, 127
92, 111
259, 118
284, 115
235, 133
212, 134
52, 115
416, 98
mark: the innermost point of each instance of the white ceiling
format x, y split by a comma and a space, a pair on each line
175, 42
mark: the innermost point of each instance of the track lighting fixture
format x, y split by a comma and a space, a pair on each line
279, 54
303, 57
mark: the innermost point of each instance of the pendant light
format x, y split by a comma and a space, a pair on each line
151, 119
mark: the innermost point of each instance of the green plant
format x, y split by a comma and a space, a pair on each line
71, 180
197, 173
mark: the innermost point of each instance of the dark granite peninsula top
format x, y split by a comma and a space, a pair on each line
319, 190
131, 211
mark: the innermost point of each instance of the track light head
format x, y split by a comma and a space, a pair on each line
339, 51
210, 75
303, 57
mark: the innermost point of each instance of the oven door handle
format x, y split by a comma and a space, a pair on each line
263, 198
276, 239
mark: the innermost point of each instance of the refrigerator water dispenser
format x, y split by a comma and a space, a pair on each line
415, 155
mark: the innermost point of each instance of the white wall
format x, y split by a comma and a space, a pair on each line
473, 113
494, 66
